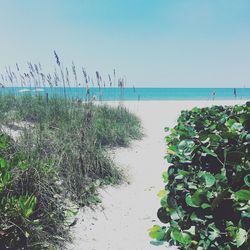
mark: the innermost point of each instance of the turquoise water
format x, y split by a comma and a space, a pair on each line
137, 93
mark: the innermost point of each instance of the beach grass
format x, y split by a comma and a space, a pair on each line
55, 154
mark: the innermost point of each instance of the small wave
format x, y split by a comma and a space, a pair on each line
23, 90
38, 90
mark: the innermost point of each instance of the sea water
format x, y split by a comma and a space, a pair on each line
110, 94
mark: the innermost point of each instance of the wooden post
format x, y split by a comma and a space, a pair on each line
47, 97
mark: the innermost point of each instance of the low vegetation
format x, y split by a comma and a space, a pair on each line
54, 154
205, 203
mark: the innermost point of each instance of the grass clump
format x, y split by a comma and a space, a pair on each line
205, 203
58, 159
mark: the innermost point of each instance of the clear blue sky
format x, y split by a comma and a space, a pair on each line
182, 43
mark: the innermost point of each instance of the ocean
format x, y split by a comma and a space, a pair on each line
110, 94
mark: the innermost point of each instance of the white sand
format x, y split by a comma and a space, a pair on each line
128, 211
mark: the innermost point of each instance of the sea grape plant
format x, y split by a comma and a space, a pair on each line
206, 200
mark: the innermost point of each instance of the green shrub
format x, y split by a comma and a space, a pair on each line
206, 200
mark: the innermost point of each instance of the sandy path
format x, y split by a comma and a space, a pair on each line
128, 211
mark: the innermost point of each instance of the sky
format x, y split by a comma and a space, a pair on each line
153, 43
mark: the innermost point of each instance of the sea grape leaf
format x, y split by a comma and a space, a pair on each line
205, 205
156, 232
183, 172
186, 147
164, 202
163, 215
204, 136
191, 230
176, 214
162, 193
172, 203
189, 201
213, 232
208, 151
209, 179
177, 235
247, 180
195, 110
198, 197
231, 231
215, 140
241, 237
237, 126
242, 195
165, 177
179, 177
230, 122
171, 152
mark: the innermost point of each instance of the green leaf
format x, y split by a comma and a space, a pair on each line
191, 230
155, 228
6, 178
198, 197
213, 232
241, 237
183, 172
231, 231
230, 122
23, 166
176, 214
165, 177
242, 195
28, 212
186, 147
195, 110
156, 232
247, 180
164, 202
205, 205
163, 215
3, 163
209, 179
237, 126
162, 193
182, 238
208, 151
189, 201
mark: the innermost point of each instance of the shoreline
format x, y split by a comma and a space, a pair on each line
181, 100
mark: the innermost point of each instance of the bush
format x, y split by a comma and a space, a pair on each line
205, 203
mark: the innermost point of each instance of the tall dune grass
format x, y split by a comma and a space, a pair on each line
54, 154
64, 78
